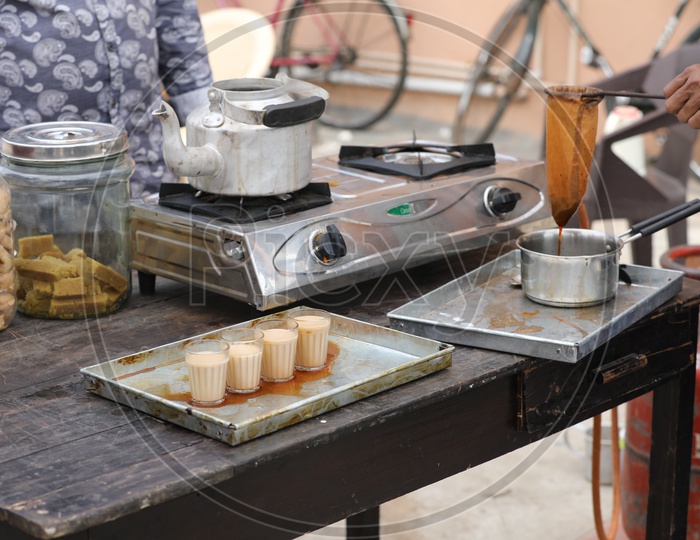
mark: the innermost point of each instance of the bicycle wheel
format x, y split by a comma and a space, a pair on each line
346, 48
497, 71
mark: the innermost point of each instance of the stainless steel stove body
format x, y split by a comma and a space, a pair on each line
376, 225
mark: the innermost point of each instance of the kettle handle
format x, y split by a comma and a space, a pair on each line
294, 112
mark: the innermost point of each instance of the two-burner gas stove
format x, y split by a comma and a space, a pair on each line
369, 212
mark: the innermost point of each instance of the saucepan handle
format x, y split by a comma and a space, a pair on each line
663, 220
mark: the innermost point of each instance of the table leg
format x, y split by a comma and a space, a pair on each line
669, 460
364, 525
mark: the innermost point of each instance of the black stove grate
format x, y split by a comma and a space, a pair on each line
457, 158
242, 209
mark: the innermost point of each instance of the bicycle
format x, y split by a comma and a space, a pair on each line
340, 46
511, 41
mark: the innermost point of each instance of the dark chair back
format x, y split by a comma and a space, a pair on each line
615, 189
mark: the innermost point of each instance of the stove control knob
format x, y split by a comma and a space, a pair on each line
500, 201
328, 245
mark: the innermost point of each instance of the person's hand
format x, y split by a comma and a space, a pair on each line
683, 96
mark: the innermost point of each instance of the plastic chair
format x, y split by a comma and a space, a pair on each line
248, 52
616, 190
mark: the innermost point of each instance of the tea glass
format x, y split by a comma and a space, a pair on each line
312, 344
279, 349
207, 363
245, 359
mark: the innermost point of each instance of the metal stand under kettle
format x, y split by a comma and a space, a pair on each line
252, 138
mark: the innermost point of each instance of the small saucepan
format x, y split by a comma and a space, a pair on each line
586, 272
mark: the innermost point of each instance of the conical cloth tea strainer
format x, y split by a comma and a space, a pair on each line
572, 123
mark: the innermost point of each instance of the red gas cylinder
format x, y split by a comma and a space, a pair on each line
634, 474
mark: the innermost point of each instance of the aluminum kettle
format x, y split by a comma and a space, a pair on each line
252, 137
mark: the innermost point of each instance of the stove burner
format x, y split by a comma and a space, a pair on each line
415, 158
243, 209
418, 161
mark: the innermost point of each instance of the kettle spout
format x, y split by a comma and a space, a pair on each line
181, 159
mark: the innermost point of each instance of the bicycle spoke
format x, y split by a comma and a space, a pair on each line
354, 29
345, 49
345, 33
498, 68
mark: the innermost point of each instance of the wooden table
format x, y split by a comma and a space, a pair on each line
75, 464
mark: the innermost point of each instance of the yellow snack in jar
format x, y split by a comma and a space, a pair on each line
35, 304
113, 295
33, 246
106, 275
74, 256
65, 307
76, 286
42, 289
47, 268
66, 286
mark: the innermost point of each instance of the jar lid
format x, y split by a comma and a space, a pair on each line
63, 141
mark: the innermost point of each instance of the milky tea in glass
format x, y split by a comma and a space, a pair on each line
312, 344
207, 363
279, 349
245, 359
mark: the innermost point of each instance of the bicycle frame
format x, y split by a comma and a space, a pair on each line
590, 55
669, 29
594, 58
328, 29
276, 17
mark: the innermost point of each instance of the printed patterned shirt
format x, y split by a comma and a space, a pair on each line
103, 61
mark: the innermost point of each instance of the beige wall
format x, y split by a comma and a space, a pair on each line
625, 30
443, 33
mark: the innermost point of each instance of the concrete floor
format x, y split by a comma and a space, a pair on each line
538, 492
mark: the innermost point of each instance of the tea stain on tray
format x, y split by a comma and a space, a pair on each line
498, 309
572, 325
510, 320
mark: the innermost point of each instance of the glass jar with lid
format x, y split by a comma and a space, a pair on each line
8, 282
70, 201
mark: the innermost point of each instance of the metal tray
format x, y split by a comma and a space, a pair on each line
364, 359
485, 308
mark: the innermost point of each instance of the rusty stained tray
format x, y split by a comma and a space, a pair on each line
485, 309
363, 360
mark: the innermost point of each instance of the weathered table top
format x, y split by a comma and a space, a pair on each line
72, 462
